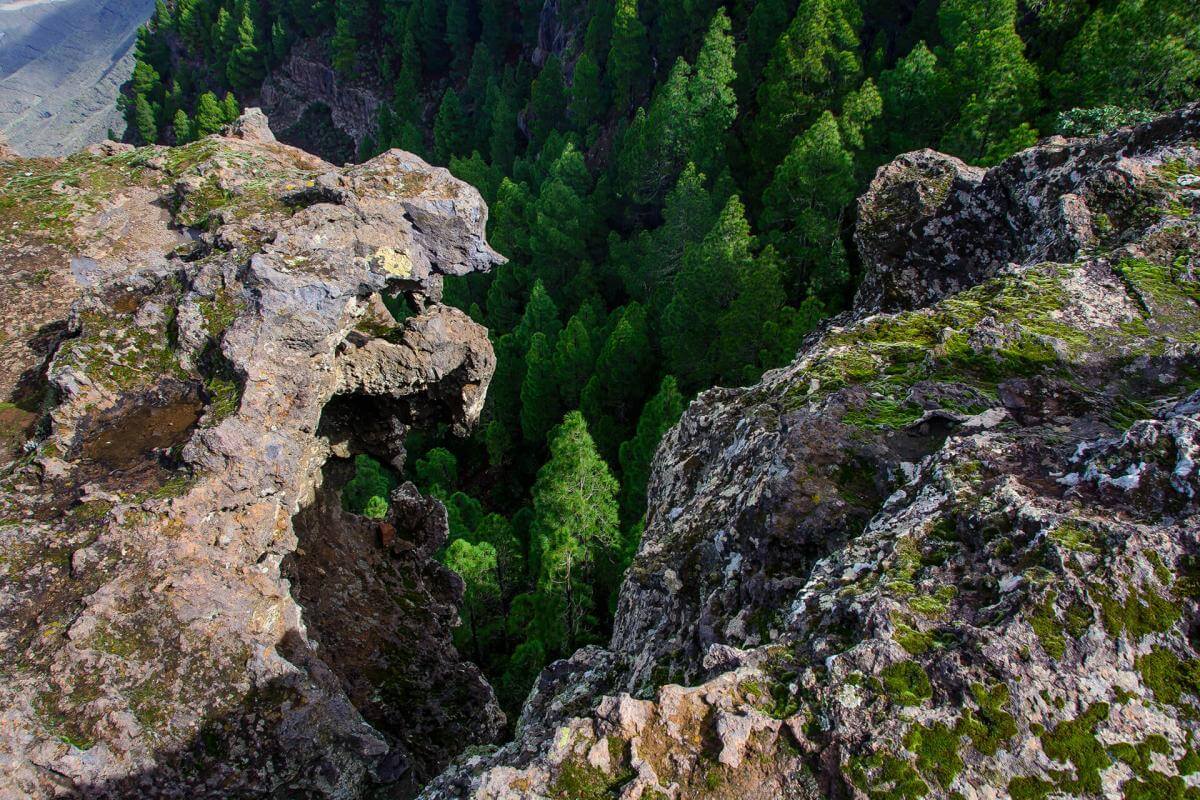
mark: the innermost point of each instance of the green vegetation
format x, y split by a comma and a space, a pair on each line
993, 726
906, 683
367, 491
674, 189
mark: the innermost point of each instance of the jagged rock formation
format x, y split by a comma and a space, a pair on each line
950, 551
185, 608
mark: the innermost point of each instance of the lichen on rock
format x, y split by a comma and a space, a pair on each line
165, 628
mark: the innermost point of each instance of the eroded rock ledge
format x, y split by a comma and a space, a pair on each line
950, 551
185, 608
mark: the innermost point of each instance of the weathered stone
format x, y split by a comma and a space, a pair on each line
186, 609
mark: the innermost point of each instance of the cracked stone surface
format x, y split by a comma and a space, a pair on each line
185, 608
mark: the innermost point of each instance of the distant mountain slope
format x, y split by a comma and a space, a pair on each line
61, 65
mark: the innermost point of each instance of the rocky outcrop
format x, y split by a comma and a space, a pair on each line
185, 607
306, 84
950, 551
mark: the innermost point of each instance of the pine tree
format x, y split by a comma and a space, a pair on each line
182, 127
209, 117
458, 33
476, 565
562, 220
437, 468
712, 104
768, 18
659, 414
814, 63
987, 74
629, 55
451, 134
547, 102
541, 316
587, 93
281, 41
540, 408
914, 101
805, 200
575, 522
704, 289
245, 66
574, 360
624, 371
144, 119
1135, 54
370, 480
230, 107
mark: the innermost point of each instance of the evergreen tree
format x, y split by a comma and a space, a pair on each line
541, 316
458, 34
659, 414
540, 408
245, 66
370, 480
437, 468
574, 360
914, 99
230, 108
987, 74
575, 524
144, 119
209, 117
451, 134
547, 102
814, 63
1135, 54
613, 395
476, 565
705, 288
805, 200
182, 127
587, 93
629, 56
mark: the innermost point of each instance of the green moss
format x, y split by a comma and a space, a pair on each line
1076, 537
65, 723
884, 776
993, 726
914, 641
933, 605
1044, 621
1074, 741
906, 683
1139, 614
936, 747
884, 412
1168, 676
1029, 788
578, 780
219, 311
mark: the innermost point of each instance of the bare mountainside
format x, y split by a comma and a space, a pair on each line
61, 65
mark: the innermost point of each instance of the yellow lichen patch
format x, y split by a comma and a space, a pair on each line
393, 262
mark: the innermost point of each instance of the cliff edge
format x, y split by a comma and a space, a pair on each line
196, 346
951, 550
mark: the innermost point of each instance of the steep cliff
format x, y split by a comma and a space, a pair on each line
195, 347
951, 550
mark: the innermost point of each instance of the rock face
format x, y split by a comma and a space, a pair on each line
185, 608
951, 550
306, 93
